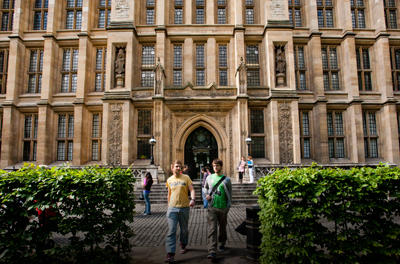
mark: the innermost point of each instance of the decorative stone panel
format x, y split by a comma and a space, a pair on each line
285, 134
115, 138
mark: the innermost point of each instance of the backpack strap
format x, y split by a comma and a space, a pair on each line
214, 188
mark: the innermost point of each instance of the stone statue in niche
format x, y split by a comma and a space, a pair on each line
242, 70
280, 64
119, 67
159, 77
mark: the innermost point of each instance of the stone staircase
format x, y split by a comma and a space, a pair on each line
241, 194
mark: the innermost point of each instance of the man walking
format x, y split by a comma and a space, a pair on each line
178, 209
219, 195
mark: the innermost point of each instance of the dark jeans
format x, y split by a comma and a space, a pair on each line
216, 218
147, 201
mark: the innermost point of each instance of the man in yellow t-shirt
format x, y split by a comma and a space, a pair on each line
178, 209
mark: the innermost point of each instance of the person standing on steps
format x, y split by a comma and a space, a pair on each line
219, 196
148, 182
178, 209
250, 165
241, 168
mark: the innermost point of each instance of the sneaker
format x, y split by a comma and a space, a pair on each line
212, 256
170, 258
183, 249
221, 248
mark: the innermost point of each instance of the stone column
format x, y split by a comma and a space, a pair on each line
46, 134
320, 135
9, 151
389, 135
211, 62
273, 140
377, 15
343, 18
242, 129
349, 66
82, 121
356, 137
239, 58
188, 61
127, 132
210, 12
237, 12
315, 65
382, 67
160, 152
187, 12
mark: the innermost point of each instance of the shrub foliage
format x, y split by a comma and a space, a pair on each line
314, 215
92, 207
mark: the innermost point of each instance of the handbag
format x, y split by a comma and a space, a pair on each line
141, 197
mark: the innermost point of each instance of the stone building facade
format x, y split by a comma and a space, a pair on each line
90, 82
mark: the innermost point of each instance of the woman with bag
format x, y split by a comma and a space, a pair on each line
241, 168
148, 182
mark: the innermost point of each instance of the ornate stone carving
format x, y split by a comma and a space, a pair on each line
242, 70
122, 8
159, 78
115, 135
280, 65
285, 133
277, 10
119, 67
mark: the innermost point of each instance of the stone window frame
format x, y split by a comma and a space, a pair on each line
223, 67
1, 130
142, 140
398, 126
42, 11
65, 135
255, 136
337, 135
7, 22
323, 8
364, 69
4, 52
329, 70
249, 13
390, 7
301, 71
253, 67
100, 72
395, 67
106, 9
177, 66
221, 5
306, 137
29, 141
150, 7
96, 136
178, 6
198, 5
147, 73
369, 134
75, 10
295, 8
356, 10
200, 64
35, 70
71, 71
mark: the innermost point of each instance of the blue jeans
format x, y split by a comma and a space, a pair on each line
174, 216
147, 201
205, 201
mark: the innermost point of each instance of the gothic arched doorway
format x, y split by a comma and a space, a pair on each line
200, 150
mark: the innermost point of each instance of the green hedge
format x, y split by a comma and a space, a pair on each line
93, 207
315, 215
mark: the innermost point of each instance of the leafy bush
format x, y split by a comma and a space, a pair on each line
314, 215
93, 207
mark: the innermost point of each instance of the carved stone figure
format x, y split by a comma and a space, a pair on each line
242, 70
122, 8
280, 64
119, 67
159, 76
115, 135
285, 134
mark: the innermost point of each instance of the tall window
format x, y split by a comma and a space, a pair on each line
223, 65
35, 71
370, 134
65, 137
221, 11
335, 135
150, 5
3, 70
177, 79
144, 133
305, 134
257, 133
178, 12
69, 71
104, 13
390, 13
1, 130
325, 13
395, 60
358, 13
249, 11
7, 15
398, 127
364, 69
148, 61
30, 137
295, 13
40, 14
330, 66
96, 137
300, 68
200, 11
200, 65
253, 65
74, 14
101, 59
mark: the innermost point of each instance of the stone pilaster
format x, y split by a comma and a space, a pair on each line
127, 132
273, 140
239, 57
50, 69
161, 147
315, 65
237, 11
19, 16
82, 125
320, 133
389, 135
294, 105
242, 129
356, 136
382, 67
377, 15
84, 60
311, 16
15, 84
211, 60
343, 18
349, 67
161, 19
46, 134
210, 12
187, 12
188, 61
9, 152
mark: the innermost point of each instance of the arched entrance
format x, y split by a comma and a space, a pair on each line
200, 150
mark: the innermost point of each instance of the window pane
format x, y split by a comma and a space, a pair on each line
306, 148
177, 77
223, 77
340, 148
178, 56
330, 124
61, 126
70, 126
305, 123
70, 20
178, 16
253, 77
258, 147
303, 83
252, 54
200, 77
61, 150
200, 56
102, 19
257, 121
148, 55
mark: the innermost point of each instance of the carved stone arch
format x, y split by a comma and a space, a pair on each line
190, 125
